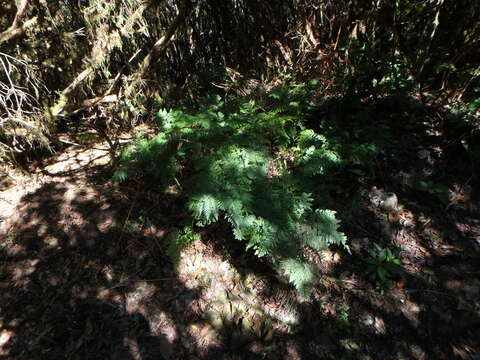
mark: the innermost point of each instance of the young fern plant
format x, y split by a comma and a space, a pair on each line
228, 151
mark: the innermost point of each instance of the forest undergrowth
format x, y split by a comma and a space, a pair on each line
217, 206
239, 179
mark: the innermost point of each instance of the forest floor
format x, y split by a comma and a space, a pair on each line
84, 274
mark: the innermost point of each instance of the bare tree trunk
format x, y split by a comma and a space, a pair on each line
163, 42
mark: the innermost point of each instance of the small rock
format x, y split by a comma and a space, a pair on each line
375, 201
427, 172
424, 155
367, 320
406, 223
389, 202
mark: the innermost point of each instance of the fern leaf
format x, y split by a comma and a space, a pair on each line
300, 274
205, 208
120, 175
323, 231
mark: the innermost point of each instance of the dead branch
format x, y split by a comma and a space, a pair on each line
17, 27
62, 102
88, 103
74, 84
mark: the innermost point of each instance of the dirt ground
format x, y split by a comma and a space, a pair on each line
85, 275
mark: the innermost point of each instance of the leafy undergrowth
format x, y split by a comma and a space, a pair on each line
255, 165
95, 270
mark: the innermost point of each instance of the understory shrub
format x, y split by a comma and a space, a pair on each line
253, 165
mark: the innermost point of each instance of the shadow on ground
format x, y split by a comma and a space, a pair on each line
85, 276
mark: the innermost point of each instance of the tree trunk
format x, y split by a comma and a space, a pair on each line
163, 42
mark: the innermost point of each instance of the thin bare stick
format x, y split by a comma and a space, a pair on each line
128, 215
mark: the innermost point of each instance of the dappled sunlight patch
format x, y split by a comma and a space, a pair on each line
75, 158
108, 273
42, 229
78, 293
373, 323
325, 260
22, 269
110, 296
161, 323
79, 192
35, 219
199, 266
106, 220
6, 337
205, 334
10, 245
51, 241
232, 307
104, 293
137, 299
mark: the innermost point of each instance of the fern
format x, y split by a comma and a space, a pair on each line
301, 275
324, 231
314, 155
227, 149
178, 240
205, 208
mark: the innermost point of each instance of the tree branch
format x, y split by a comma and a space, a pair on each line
62, 102
17, 27
163, 42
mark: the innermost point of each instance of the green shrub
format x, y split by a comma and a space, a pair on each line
253, 165
383, 265
368, 73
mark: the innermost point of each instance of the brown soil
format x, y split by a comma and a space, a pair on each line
85, 275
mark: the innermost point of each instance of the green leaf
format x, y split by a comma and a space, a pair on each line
205, 208
301, 275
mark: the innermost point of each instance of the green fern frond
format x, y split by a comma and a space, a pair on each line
205, 208
309, 138
322, 231
178, 240
300, 274
120, 175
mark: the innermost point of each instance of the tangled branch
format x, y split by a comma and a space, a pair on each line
18, 107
